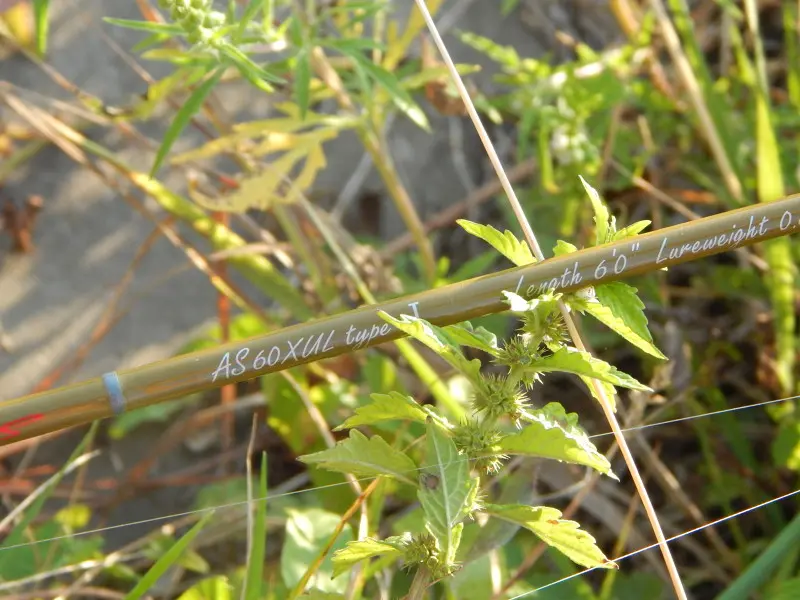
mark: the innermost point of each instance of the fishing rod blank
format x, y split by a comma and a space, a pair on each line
117, 392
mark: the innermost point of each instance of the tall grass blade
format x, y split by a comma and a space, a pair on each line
255, 562
183, 116
169, 558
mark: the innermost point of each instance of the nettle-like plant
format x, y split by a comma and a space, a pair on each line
451, 473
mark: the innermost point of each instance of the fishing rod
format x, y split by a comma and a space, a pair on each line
120, 391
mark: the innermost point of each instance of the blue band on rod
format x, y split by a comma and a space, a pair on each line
115, 396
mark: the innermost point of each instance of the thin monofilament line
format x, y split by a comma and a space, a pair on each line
599, 391
270, 497
672, 539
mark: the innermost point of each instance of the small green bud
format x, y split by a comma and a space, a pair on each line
214, 19
201, 4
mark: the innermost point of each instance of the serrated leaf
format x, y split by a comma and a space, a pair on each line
610, 391
360, 550
565, 536
273, 186
506, 243
386, 407
183, 116
618, 307
572, 360
446, 493
364, 457
467, 335
631, 230
553, 433
561, 248
437, 340
604, 223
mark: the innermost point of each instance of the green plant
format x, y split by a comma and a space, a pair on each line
450, 475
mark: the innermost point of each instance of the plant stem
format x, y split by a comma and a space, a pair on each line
419, 587
382, 161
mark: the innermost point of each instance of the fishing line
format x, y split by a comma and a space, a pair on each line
672, 539
270, 497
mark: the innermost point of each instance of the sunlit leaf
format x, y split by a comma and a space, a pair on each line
572, 360
360, 550
551, 432
561, 248
474, 337
605, 224
273, 185
437, 340
631, 230
364, 457
213, 588
565, 536
40, 14
308, 531
386, 407
517, 251
618, 307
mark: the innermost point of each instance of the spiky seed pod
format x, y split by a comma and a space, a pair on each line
480, 443
495, 397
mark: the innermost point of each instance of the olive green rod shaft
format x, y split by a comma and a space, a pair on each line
117, 392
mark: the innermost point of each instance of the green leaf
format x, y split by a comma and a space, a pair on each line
782, 272
307, 533
162, 28
437, 339
447, 493
386, 407
565, 536
360, 550
563, 247
507, 244
250, 13
168, 559
467, 335
572, 360
364, 457
258, 537
40, 10
154, 413
617, 306
605, 224
183, 116
302, 81
631, 230
389, 82
785, 590
551, 432
519, 304
213, 588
